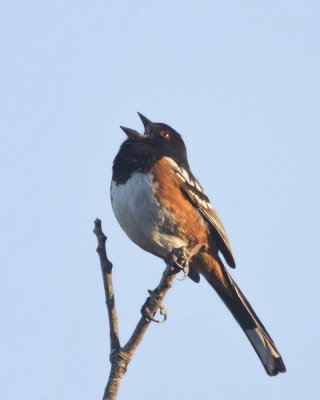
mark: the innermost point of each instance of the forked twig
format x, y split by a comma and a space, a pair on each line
121, 356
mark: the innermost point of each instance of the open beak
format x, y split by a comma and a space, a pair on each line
130, 132
146, 122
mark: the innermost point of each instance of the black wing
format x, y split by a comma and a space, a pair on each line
195, 194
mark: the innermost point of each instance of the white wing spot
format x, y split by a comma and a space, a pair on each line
179, 171
172, 162
203, 202
186, 176
181, 177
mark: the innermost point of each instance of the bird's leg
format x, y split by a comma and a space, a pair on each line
146, 312
180, 258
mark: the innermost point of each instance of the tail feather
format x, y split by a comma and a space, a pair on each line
248, 320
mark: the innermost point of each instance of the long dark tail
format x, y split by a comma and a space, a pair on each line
242, 311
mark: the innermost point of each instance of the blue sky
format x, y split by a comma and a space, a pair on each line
240, 82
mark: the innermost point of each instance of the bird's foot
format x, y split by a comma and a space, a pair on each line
180, 258
147, 314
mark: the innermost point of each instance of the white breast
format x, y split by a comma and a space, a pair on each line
141, 217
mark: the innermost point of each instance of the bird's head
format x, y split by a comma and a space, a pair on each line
158, 138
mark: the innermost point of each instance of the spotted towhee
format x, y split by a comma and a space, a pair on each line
161, 206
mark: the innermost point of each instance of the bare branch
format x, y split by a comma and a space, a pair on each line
106, 269
121, 356
150, 308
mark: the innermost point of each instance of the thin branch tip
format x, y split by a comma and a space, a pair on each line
98, 231
120, 357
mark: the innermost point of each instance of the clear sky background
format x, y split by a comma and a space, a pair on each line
240, 81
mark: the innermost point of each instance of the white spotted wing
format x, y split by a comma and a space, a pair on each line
195, 194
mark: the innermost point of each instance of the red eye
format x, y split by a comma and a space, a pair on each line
164, 134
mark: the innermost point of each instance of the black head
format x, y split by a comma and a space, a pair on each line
159, 139
140, 152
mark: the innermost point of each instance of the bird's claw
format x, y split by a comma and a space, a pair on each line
180, 258
186, 270
147, 314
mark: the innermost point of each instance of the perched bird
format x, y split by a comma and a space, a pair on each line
161, 206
